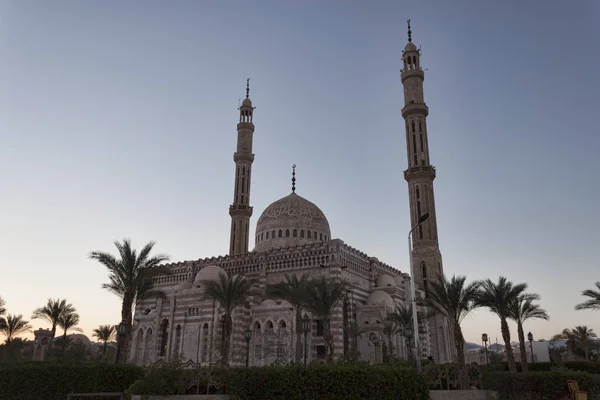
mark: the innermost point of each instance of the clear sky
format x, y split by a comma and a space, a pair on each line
118, 119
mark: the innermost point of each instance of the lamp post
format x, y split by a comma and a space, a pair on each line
484, 339
121, 332
247, 336
530, 338
305, 330
422, 219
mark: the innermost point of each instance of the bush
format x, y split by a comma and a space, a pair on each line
539, 385
174, 380
54, 381
327, 382
583, 366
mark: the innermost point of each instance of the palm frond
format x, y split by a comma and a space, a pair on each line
594, 299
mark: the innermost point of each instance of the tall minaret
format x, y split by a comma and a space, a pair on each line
240, 210
427, 259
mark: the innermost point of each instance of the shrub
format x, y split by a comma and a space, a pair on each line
54, 381
174, 380
539, 385
327, 382
583, 366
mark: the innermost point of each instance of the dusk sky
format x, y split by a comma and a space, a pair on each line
118, 119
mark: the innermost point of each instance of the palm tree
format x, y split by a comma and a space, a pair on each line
69, 322
583, 335
2, 312
594, 302
522, 309
131, 278
497, 297
322, 297
354, 331
105, 333
229, 292
292, 290
15, 324
402, 319
454, 299
52, 312
569, 337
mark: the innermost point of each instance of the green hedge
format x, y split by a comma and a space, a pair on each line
583, 366
54, 381
327, 382
540, 385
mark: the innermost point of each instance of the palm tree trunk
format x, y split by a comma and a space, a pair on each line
522, 348
104, 346
459, 340
127, 316
298, 355
586, 351
328, 337
227, 339
510, 357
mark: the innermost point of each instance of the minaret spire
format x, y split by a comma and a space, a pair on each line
241, 210
409, 32
294, 178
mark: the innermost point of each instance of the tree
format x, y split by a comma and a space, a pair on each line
497, 297
131, 278
354, 331
402, 318
105, 333
322, 297
52, 312
68, 322
522, 309
292, 290
569, 337
594, 299
454, 299
583, 336
2, 312
230, 292
15, 325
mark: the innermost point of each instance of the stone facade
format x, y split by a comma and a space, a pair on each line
294, 236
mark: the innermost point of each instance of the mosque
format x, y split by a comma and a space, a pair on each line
293, 236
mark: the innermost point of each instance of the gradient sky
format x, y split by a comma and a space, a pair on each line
118, 119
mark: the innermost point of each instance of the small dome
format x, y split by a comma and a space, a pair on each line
385, 280
247, 102
80, 338
291, 221
183, 286
399, 280
208, 273
378, 297
410, 46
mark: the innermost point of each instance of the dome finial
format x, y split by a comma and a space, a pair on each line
247, 87
409, 32
294, 178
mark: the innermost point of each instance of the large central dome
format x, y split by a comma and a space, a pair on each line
291, 221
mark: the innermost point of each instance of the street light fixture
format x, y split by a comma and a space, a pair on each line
530, 338
305, 329
121, 332
484, 339
422, 219
247, 336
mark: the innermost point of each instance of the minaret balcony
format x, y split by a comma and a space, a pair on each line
421, 171
242, 210
415, 108
411, 73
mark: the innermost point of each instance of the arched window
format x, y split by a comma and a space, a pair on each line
302, 233
308, 233
287, 233
204, 357
175, 350
280, 233
321, 237
295, 233
164, 335
267, 236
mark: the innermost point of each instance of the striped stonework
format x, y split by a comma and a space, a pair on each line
192, 324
